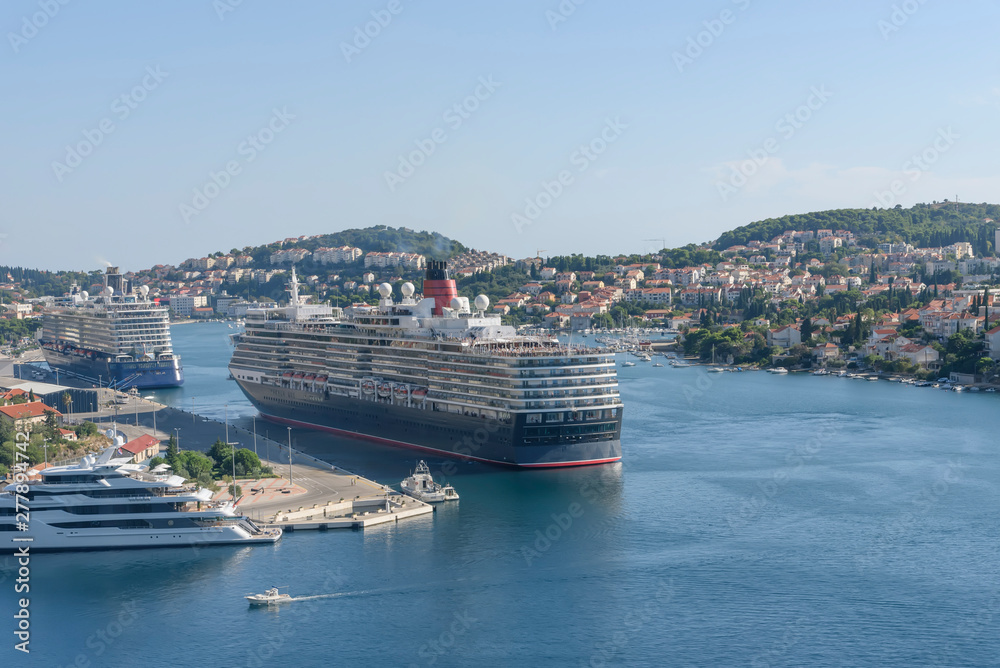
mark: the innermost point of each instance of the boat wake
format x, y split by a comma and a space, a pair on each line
375, 592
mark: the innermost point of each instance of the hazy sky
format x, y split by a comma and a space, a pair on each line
589, 127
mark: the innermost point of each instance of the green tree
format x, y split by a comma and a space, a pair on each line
86, 429
51, 428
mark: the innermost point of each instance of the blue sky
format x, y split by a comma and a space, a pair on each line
313, 121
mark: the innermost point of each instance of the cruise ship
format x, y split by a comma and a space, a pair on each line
106, 502
432, 375
119, 338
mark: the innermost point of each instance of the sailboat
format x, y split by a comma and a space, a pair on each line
714, 369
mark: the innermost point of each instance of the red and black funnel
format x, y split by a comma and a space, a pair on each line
439, 286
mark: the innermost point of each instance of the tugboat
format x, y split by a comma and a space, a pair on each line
270, 597
421, 486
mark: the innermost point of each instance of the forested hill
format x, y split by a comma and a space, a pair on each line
379, 238
923, 225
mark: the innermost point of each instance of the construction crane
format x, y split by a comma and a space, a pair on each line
663, 242
538, 253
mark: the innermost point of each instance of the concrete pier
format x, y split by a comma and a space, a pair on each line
321, 497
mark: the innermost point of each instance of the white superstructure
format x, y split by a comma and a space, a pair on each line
105, 502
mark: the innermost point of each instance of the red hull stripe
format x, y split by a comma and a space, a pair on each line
414, 446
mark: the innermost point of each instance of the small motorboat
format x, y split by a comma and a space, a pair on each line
657, 364
270, 597
628, 363
421, 485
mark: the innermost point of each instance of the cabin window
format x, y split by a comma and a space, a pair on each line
553, 417
533, 418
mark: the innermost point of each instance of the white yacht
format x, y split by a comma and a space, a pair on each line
106, 502
421, 486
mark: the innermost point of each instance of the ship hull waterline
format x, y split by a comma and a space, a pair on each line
439, 433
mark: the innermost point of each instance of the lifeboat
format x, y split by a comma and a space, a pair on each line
297, 376
321, 379
384, 389
401, 392
420, 392
368, 386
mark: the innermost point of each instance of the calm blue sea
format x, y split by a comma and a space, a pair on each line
755, 520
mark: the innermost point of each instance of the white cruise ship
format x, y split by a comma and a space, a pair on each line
106, 502
431, 375
119, 338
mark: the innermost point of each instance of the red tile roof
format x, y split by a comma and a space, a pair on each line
29, 410
141, 444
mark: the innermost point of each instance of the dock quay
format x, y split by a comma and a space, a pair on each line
322, 497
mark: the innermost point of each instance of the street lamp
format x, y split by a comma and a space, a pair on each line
177, 438
255, 434
289, 456
192, 410
227, 424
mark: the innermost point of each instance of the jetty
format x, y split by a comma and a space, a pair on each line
321, 496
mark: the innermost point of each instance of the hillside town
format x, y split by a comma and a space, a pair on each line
815, 290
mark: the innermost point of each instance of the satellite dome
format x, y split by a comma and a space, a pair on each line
109, 291
385, 290
456, 304
482, 302
407, 289
85, 295
144, 289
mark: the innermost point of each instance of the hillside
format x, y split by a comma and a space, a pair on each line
923, 225
379, 238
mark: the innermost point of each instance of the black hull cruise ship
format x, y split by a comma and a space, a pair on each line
431, 375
